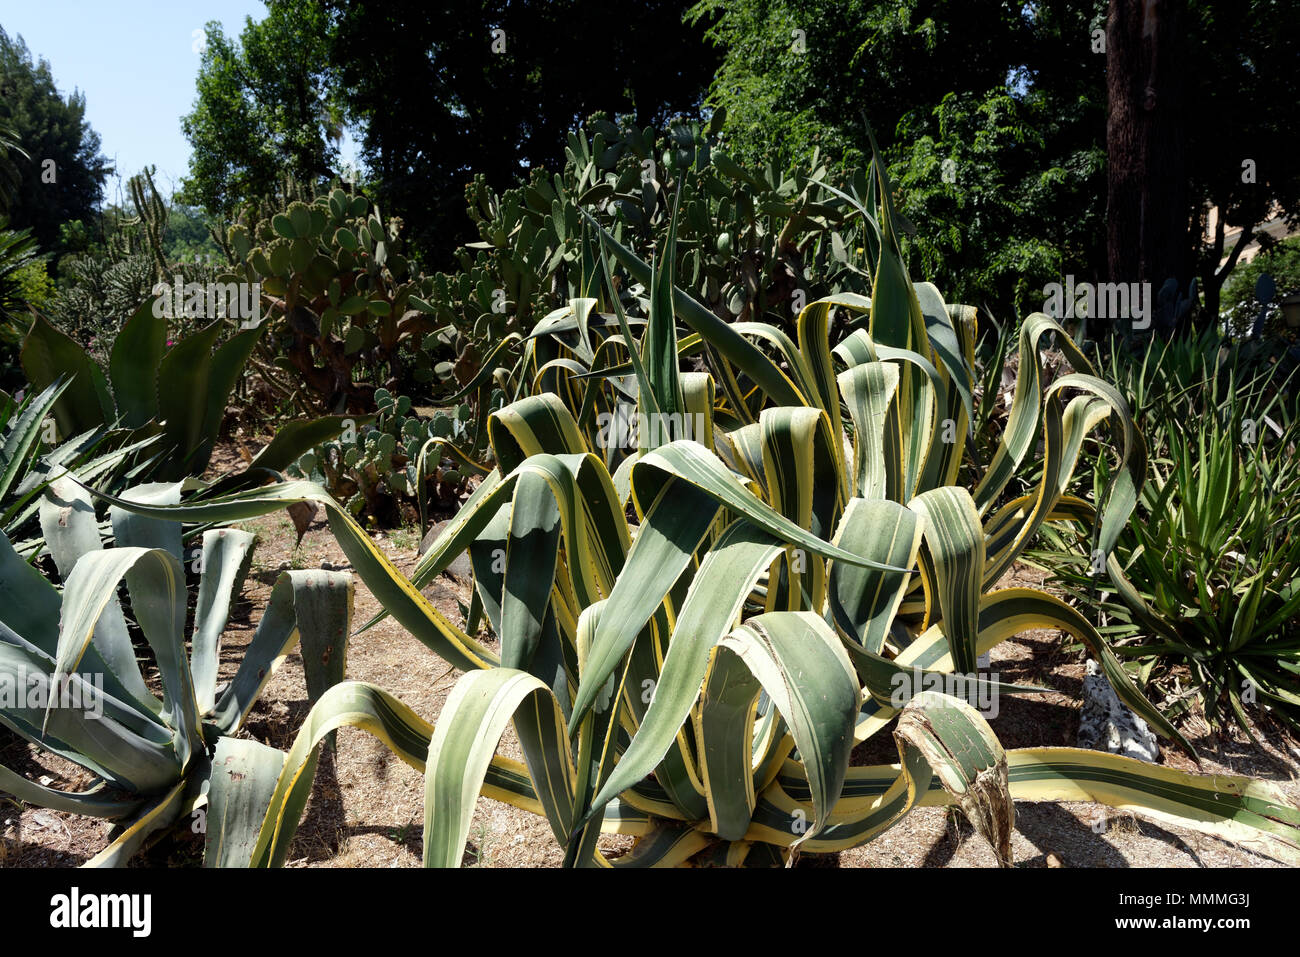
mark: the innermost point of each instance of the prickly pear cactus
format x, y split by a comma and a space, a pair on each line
346, 304
752, 244
392, 471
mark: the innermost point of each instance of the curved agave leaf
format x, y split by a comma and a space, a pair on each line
93, 802
944, 746
24, 435
719, 334
225, 559
244, 778
352, 704
161, 814
311, 609
156, 583
389, 586
1244, 811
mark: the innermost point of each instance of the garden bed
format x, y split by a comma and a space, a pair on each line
367, 810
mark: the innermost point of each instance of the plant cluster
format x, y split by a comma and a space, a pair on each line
694, 638
1202, 590
390, 470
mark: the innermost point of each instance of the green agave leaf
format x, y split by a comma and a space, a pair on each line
133, 365
225, 559
25, 434
351, 704
156, 583
244, 778
473, 719
49, 356
161, 814
313, 608
389, 586
966, 759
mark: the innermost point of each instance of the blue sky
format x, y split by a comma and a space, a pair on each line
135, 62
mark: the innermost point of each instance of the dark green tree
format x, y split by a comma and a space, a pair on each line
991, 114
61, 179
1083, 136
1242, 132
440, 96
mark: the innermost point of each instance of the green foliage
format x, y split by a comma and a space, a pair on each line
30, 458
1205, 578
177, 389
189, 235
787, 93
20, 287
435, 103
35, 286
1240, 309
156, 759
345, 305
50, 129
10, 151
263, 107
692, 640
752, 244
999, 222
994, 145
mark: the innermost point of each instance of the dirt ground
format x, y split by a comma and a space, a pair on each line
366, 808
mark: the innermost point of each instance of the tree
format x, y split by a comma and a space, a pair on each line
799, 74
446, 90
1089, 137
62, 177
990, 113
1000, 207
1146, 199
1242, 131
264, 106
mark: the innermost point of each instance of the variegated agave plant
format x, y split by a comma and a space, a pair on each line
70, 682
695, 635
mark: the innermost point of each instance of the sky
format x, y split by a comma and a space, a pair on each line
136, 62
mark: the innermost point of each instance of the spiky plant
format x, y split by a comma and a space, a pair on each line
693, 640
71, 685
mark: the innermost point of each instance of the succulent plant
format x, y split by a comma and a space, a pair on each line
390, 470
345, 304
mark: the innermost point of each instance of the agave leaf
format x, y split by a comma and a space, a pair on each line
244, 778
225, 558
137, 350
313, 608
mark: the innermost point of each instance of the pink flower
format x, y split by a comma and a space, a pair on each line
170, 343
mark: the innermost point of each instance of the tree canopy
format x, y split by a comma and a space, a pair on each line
437, 92
61, 177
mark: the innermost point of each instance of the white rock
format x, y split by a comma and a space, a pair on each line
1106, 723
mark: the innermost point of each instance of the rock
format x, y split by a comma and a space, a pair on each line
1106, 724
460, 568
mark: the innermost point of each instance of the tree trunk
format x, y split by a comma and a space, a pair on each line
1147, 224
